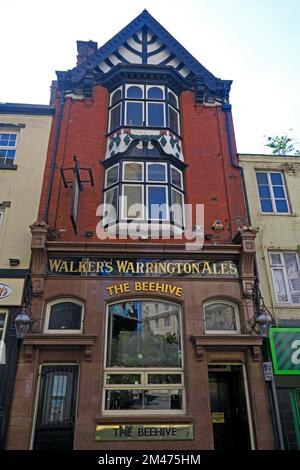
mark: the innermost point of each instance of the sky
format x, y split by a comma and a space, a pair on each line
255, 43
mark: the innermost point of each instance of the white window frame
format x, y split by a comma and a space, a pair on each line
166, 204
157, 163
62, 331
129, 85
110, 111
176, 97
235, 332
178, 120
141, 164
130, 100
157, 99
112, 94
106, 173
142, 202
270, 186
181, 177
10, 148
145, 371
107, 220
183, 206
282, 267
5, 312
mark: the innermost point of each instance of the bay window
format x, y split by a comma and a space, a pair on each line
140, 105
144, 364
144, 191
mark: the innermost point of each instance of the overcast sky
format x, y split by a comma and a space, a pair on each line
255, 43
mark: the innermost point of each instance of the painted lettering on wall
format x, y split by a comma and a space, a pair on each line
142, 267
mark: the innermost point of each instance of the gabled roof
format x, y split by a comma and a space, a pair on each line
145, 42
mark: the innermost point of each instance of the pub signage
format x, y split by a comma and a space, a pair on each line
144, 432
94, 266
5, 291
285, 348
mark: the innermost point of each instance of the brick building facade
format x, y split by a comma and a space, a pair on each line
141, 341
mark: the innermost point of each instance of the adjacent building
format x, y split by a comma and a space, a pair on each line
24, 137
141, 339
272, 187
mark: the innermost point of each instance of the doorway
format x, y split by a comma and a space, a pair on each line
56, 409
228, 403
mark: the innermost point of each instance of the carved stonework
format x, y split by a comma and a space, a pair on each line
199, 349
289, 168
256, 353
246, 237
41, 232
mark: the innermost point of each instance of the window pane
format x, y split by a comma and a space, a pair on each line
155, 114
134, 92
163, 399
132, 379
293, 276
157, 199
111, 205
261, 178
115, 117
133, 171
172, 99
278, 192
134, 340
264, 192
133, 202
164, 379
177, 208
281, 206
156, 172
112, 175
134, 114
173, 119
65, 316
276, 179
275, 258
176, 177
155, 93
279, 285
116, 97
220, 317
266, 205
124, 399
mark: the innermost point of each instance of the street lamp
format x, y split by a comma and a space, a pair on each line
262, 317
22, 323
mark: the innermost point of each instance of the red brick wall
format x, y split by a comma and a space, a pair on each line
210, 178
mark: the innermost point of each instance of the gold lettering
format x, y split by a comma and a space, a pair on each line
55, 265
99, 267
110, 289
178, 292
122, 266
138, 286
224, 268
64, 267
82, 267
91, 267
206, 267
140, 268
195, 268
233, 269
149, 268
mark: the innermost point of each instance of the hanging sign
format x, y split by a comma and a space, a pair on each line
11, 291
5, 291
285, 348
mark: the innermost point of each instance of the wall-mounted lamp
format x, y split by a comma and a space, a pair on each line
22, 323
263, 319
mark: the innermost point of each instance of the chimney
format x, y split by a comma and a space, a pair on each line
85, 50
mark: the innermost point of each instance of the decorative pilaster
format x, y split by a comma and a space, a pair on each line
40, 234
246, 237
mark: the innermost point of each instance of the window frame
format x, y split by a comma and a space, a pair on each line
4, 329
3, 147
282, 267
142, 203
273, 198
63, 331
235, 332
144, 101
144, 372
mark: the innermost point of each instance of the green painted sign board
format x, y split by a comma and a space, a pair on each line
285, 349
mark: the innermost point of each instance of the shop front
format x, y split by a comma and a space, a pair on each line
285, 349
141, 347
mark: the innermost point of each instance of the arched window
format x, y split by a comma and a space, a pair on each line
221, 317
64, 316
144, 363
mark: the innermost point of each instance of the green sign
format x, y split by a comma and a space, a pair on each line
285, 348
144, 432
